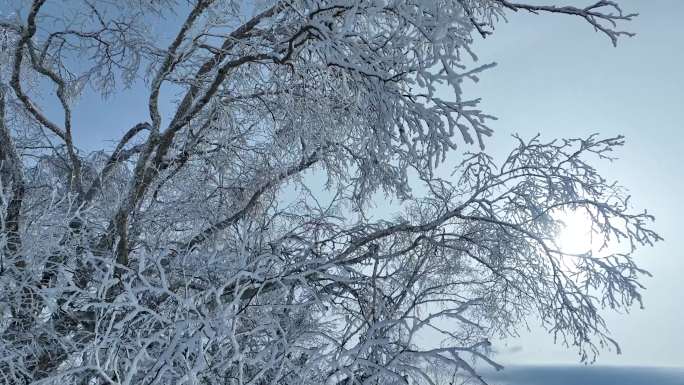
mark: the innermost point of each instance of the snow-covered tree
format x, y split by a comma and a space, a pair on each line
233, 238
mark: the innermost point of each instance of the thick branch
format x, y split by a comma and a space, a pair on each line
117, 156
10, 173
15, 82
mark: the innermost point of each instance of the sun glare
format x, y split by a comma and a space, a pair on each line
575, 238
576, 235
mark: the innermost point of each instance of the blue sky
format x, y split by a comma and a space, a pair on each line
557, 77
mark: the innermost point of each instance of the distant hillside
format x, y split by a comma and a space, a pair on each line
586, 375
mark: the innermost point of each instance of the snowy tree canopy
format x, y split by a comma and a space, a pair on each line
202, 248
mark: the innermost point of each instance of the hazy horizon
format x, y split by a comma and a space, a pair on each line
585, 375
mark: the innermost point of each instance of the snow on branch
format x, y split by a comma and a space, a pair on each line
229, 236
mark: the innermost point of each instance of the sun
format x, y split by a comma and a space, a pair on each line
576, 235
576, 239
579, 238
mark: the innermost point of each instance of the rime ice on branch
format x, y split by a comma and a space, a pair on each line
196, 252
